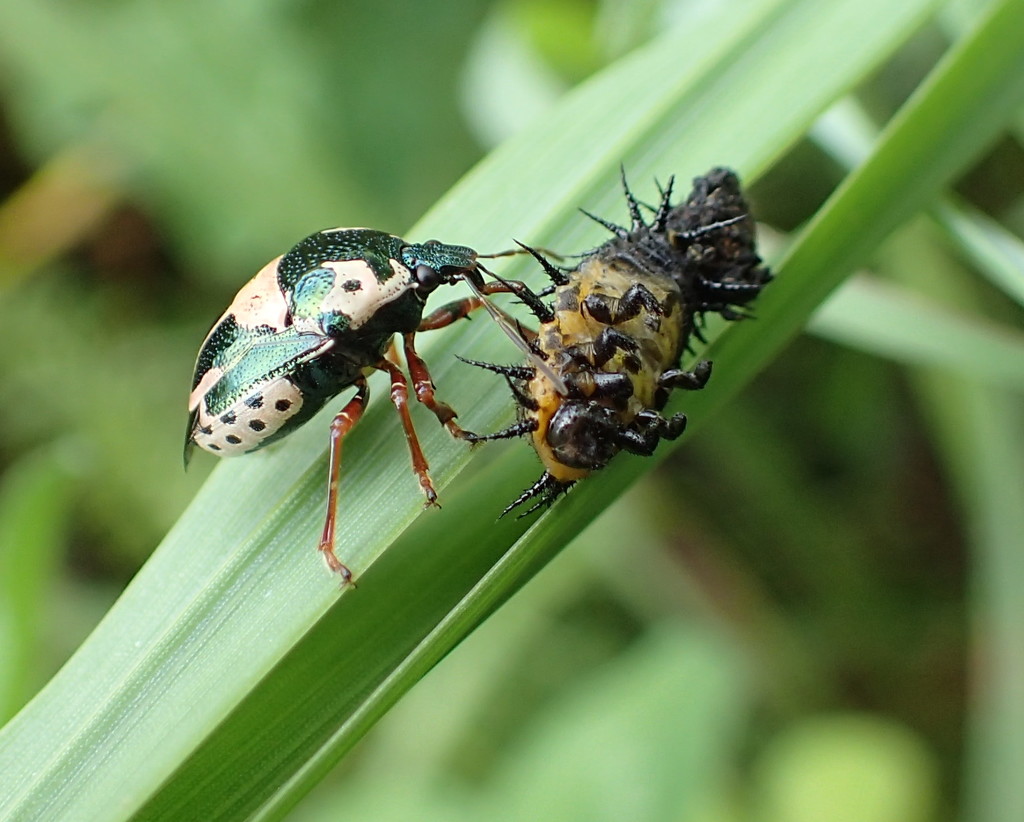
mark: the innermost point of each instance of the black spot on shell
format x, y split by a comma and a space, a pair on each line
228, 418
283, 405
352, 285
213, 447
257, 425
233, 439
255, 401
205, 429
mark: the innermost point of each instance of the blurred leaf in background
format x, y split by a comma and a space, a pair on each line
811, 609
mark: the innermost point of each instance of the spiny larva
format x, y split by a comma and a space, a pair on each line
617, 326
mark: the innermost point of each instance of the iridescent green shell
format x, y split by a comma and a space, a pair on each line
305, 327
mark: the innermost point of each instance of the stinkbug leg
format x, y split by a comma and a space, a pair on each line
423, 384
449, 313
340, 426
400, 399
459, 309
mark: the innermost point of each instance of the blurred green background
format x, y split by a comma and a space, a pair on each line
804, 601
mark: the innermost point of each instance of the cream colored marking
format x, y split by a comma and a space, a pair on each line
361, 305
209, 379
259, 302
268, 414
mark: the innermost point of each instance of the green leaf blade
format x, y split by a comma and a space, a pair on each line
237, 651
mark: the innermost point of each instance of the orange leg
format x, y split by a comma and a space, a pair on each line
423, 383
400, 399
457, 310
340, 426
449, 313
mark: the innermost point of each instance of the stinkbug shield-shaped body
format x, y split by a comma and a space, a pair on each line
315, 321
617, 326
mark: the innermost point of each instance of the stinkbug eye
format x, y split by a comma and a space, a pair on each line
427, 278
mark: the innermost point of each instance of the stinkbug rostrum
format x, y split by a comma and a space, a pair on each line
315, 321
618, 325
